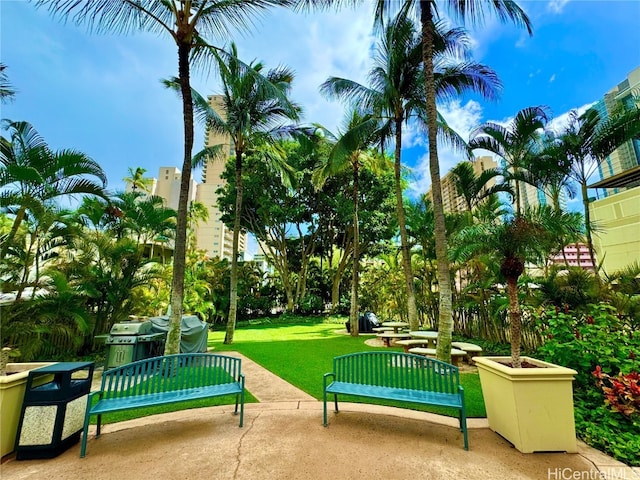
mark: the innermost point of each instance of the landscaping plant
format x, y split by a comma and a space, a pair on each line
601, 346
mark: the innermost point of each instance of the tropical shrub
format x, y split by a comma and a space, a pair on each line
601, 346
310, 304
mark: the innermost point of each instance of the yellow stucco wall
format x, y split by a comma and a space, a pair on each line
617, 236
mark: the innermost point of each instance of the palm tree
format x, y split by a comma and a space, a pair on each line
522, 238
586, 142
32, 175
518, 144
138, 181
256, 109
475, 188
396, 94
7, 92
189, 23
474, 11
352, 152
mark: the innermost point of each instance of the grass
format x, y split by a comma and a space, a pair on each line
299, 351
302, 353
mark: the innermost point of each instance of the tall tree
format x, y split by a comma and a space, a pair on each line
352, 152
474, 11
257, 114
189, 23
32, 175
396, 95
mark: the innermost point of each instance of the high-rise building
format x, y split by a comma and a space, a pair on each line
167, 186
452, 201
627, 156
616, 212
213, 236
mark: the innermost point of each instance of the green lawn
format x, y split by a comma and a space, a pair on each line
302, 353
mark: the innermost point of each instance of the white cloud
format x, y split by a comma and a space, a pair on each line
559, 123
556, 6
553, 78
317, 46
461, 118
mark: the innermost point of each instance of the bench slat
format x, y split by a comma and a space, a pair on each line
402, 394
152, 399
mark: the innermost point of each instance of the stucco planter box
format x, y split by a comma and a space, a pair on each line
12, 388
530, 407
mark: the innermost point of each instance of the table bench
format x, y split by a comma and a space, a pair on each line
387, 337
396, 376
414, 342
163, 380
471, 350
456, 354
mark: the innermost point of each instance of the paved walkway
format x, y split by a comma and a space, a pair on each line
283, 438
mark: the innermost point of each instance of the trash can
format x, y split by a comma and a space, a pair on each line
52, 413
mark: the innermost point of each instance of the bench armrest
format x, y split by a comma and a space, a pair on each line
98, 394
325, 377
242, 380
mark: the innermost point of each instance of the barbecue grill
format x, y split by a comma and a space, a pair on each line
132, 341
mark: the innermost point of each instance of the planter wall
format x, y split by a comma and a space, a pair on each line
530, 407
12, 388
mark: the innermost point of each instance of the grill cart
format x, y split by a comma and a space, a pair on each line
132, 341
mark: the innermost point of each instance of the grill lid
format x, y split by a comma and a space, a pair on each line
131, 328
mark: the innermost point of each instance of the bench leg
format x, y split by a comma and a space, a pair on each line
98, 426
463, 427
324, 408
85, 434
240, 396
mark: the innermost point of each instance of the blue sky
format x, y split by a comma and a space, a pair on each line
101, 94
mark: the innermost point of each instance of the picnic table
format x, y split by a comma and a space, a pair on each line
387, 337
395, 325
429, 335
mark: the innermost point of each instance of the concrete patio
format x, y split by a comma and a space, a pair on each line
283, 438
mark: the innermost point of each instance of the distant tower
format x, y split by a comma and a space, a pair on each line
627, 156
452, 201
167, 186
213, 235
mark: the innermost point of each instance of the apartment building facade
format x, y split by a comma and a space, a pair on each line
452, 201
213, 235
615, 210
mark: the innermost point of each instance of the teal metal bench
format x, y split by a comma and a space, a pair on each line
397, 376
163, 380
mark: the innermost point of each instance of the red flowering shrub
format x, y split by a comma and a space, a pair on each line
622, 393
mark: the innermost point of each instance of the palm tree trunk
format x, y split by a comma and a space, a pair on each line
337, 280
445, 320
412, 310
353, 312
587, 225
514, 321
180, 247
233, 282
